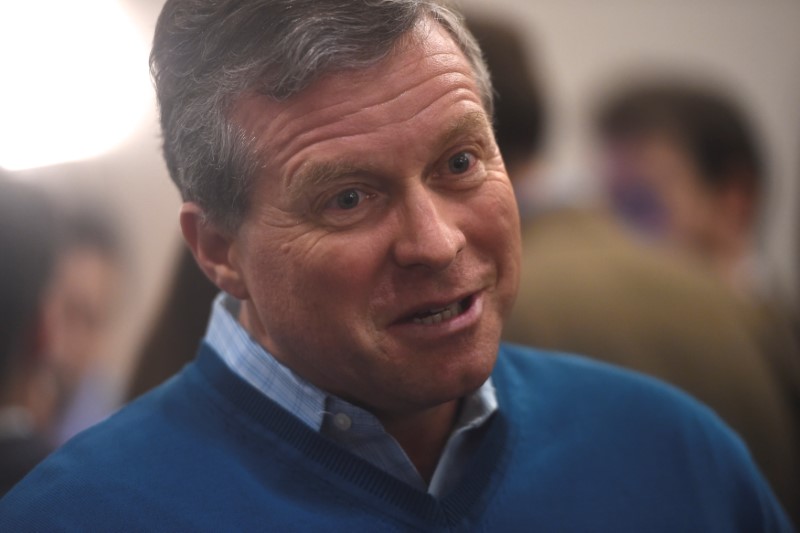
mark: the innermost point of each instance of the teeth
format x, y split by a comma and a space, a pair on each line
435, 316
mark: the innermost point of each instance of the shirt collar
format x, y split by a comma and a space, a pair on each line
317, 409
258, 367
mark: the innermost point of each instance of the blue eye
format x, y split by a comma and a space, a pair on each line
348, 199
460, 163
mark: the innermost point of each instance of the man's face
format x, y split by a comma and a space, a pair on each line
694, 210
660, 191
80, 304
381, 250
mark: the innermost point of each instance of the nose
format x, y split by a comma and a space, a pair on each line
428, 234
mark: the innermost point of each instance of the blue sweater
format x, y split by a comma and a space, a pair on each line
576, 446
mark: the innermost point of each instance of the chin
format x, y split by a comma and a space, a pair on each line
457, 383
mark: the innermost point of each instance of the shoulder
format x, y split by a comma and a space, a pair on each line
112, 473
557, 384
604, 426
204, 441
521, 366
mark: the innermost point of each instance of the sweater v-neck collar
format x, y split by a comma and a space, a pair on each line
466, 500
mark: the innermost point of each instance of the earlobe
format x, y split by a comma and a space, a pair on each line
212, 249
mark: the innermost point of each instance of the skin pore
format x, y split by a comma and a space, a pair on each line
380, 254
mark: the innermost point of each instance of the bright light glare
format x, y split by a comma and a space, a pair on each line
74, 80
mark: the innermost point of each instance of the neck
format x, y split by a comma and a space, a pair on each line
423, 435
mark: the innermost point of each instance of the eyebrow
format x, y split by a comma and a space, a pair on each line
312, 174
464, 125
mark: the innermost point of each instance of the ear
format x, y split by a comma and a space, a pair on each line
213, 250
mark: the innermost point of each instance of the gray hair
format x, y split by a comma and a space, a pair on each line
206, 53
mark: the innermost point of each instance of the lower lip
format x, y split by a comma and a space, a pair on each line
465, 320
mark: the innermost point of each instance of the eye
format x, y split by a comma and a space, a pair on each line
460, 163
348, 206
348, 199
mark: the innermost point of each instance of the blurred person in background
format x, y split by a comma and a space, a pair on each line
60, 276
28, 390
685, 168
84, 299
589, 285
683, 165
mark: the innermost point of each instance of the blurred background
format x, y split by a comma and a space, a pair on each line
78, 119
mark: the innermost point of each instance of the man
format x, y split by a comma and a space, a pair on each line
348, 197
684, 166
27, 388
58, 280
82, 301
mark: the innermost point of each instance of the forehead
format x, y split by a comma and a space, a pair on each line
423, 77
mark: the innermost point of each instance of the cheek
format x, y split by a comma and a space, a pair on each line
330, 270
496, 217
495, 227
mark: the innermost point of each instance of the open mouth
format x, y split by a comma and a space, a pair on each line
438, 315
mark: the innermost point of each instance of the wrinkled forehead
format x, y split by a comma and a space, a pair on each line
422, 64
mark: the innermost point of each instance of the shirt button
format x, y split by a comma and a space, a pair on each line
342, 421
